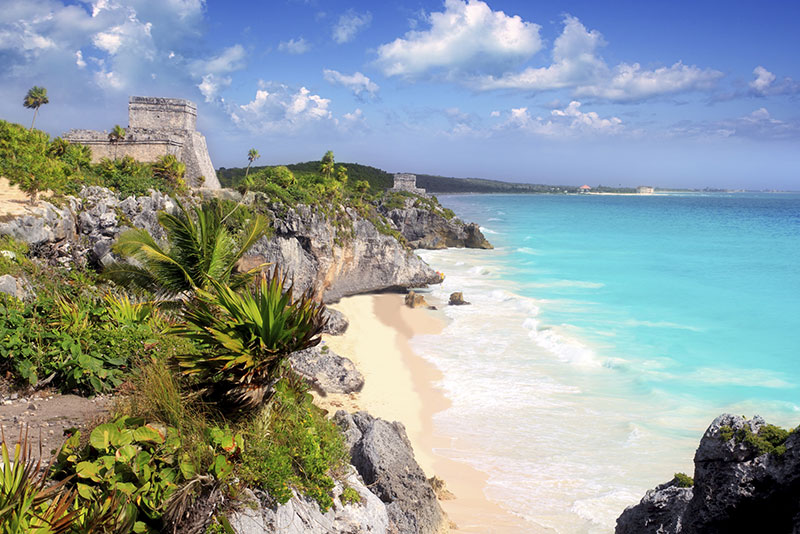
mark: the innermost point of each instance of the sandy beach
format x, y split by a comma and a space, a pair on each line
401, 386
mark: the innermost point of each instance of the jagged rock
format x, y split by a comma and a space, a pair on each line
414, 300
328, 371
382, 454
301, 515
736, 488
440, 489
336, 324
423, 228
457, 299
16, 287
332, 262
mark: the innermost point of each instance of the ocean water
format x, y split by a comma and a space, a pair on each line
604, 336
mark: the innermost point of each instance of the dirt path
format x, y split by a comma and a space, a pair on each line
13, 202
47, 415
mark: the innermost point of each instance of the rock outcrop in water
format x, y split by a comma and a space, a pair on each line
738, 486
425, 228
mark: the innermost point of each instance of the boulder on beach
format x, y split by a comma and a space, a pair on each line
457, 299
414, 300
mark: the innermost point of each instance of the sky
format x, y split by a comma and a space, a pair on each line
672, 94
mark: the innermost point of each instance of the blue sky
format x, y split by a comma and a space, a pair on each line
668, 93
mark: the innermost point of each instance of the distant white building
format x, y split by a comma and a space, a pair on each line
645, 190
408, 183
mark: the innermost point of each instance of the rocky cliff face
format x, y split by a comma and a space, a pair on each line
305, 243
382, 454
424, 228
737, 487
319, 255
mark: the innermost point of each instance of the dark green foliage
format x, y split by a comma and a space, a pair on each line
247, 337
128, 177
377, 179
25, 160
200, 249
292, 445
682, 480
68, 334
769, 439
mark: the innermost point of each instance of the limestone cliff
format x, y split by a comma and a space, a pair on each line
315, 252
738, 486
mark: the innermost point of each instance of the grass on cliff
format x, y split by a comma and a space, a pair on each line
769, 439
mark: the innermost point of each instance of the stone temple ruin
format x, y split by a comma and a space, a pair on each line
406, 182
157, 127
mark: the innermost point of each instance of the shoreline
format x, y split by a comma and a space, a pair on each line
401, 386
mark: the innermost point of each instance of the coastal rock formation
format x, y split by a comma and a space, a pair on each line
423, 228
337, 323
334, 263
301, 515
738, 487
329, 372
457, 299
413, 300
306, 244
382, 454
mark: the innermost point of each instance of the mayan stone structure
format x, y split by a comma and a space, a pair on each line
406, 182
156, 127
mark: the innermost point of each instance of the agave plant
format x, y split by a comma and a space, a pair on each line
27, 503
247, 338
200, 248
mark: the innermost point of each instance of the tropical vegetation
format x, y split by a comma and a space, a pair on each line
34, 99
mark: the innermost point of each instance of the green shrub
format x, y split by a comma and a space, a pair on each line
292, 445
127, 457
350, 496
683, 480
247, 337
26, 161
769, 439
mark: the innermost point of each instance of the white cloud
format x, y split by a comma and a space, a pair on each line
278, 108
466, 37
764, 79
360, 84
211, 85
576, 64
229, 60
79, 60
294, 46
567, 122
630, 82
765, 84
349, 24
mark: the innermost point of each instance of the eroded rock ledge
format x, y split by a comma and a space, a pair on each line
737, 487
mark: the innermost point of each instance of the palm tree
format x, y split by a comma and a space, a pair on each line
326, 166
116, 135
36, 97
252, 155
200, 249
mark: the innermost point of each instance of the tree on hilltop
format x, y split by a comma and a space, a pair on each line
327, 164
36, 98
252, 155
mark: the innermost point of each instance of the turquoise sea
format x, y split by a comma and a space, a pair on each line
605, 334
